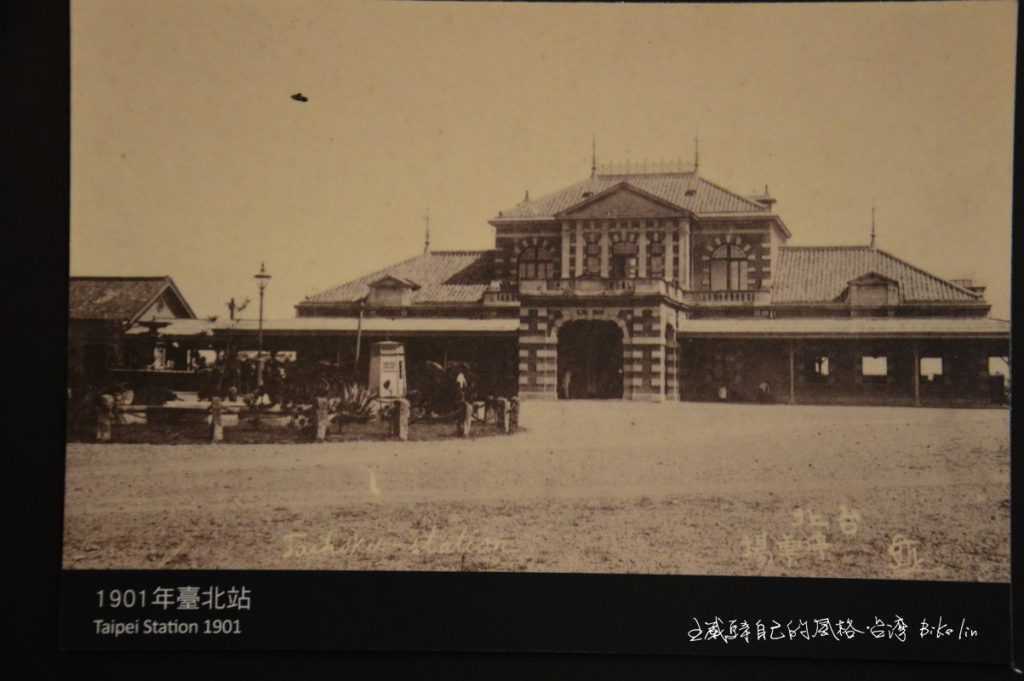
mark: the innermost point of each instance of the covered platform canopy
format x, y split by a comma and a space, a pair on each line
374, 325
333, 325
174, 328
856, 327
857, 360
489, 343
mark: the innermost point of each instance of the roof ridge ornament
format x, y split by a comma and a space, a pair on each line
644, 166
872, 244
426, 241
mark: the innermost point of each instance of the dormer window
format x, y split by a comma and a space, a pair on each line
872, 290
391, 291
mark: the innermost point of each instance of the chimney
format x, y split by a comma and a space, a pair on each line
765, 199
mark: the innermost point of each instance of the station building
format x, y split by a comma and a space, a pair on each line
662, 285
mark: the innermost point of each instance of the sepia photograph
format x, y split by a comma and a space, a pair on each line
717, 290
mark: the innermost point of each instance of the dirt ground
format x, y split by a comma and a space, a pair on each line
675, 488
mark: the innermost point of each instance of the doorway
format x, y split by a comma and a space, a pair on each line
590, 360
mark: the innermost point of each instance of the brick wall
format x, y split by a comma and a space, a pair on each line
511, 242
754, 239
648, 366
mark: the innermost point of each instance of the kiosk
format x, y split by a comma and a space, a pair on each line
387, 369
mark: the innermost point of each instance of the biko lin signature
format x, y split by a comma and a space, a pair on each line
434, 542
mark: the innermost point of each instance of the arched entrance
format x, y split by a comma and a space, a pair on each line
590, 360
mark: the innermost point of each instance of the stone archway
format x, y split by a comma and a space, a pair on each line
590, 360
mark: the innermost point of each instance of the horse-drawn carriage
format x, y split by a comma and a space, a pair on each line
438, 393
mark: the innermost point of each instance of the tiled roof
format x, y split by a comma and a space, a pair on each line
672, 187
816, 274
443, 277
113, 298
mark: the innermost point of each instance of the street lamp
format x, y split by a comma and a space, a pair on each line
262, 279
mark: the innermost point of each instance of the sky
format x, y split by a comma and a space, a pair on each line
190, 158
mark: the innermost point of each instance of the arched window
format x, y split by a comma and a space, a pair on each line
536, 263
729, 269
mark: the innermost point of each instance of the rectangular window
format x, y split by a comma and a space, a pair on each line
719, 271
931, 367
624, 267
728, 275
657, 267
874, 366
738, 275
631, 267
998, 366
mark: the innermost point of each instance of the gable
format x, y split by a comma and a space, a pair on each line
872, 279
166, 306
682, 191
125, 299
622, 202
391, 282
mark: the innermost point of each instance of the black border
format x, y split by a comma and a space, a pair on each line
36, 38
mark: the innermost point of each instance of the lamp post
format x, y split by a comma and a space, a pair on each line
262, 279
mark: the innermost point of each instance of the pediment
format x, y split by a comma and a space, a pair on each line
168, 305
393, 282
871, 279
871, 289
622, 201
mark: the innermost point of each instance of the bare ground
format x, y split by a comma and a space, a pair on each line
854, 492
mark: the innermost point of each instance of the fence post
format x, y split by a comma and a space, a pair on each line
323, 418
465, 419
216, 422
400, 419
502, 415
104, 418
513, 424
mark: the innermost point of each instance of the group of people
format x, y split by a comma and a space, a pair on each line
763, 394
577, 383
231, 375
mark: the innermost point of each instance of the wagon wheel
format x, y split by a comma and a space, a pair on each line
487, 408
417, 412
450, 416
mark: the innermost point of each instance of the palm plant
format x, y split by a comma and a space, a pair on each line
355, 401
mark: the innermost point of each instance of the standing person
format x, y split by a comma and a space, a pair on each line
460, 386
566, 383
